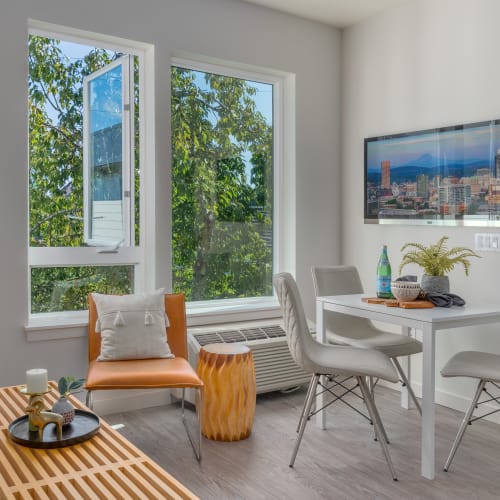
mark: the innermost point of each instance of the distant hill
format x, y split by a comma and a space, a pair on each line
428, 165
427, 161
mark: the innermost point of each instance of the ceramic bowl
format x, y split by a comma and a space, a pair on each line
405, 291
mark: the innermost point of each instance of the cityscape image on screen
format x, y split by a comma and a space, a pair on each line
445, 175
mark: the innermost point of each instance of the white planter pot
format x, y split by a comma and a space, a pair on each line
64, 408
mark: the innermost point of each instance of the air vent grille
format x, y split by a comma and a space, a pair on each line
243, 335
275, 369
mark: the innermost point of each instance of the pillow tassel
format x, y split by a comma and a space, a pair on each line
98, 326
167, 322
119, 321
148, 318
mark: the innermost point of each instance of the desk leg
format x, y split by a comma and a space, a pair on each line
406, 365
428, 410
320, 337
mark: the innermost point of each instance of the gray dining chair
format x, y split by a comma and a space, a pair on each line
324, 359
483, 366
360, 332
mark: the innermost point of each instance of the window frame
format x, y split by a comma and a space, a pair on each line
61, 325
212, 311
140, 256
127, 170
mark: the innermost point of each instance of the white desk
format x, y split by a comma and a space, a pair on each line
428, 321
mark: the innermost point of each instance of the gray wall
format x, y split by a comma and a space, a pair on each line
429, 63
225, 29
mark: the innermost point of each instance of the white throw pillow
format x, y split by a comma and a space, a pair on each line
132, 326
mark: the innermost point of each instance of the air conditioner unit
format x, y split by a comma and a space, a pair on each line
274, 367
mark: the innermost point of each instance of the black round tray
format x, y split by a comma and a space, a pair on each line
83, 427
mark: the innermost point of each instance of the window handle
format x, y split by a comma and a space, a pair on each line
111, 249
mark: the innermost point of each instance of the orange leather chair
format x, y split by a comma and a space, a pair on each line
165, 373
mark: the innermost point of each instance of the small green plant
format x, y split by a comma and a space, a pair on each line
69, 385
437, 259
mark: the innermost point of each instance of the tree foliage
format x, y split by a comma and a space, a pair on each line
220, 216
221, 182
55, 101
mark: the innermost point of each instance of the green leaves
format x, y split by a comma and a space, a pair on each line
56, 176
222, 182
69, 385
55, 141
437, 260
221, 214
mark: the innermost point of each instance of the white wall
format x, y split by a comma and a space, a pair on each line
426, 64
225, 29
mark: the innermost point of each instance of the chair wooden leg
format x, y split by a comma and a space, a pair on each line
404, 378
377, 422
311, 393
199, 406
463, 426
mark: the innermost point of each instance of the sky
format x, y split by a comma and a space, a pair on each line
263, 97
74, 50
474, 143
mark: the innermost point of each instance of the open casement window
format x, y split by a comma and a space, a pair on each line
108, 157
87, 154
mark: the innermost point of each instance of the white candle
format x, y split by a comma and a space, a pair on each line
36, 381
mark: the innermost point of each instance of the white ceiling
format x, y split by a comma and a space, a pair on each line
338, 13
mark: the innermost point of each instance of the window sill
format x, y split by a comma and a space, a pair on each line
58, 326
230, 311
55, 326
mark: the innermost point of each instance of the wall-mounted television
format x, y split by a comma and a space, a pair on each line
441, 176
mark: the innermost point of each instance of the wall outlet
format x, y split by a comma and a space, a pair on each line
487, 242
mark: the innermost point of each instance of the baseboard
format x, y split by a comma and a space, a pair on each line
107, 402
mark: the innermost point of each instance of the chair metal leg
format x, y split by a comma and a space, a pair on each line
371, 388
305, 412
371, 384
199, 406
463, 426
403, 376
377, 422
309, 388
89, 400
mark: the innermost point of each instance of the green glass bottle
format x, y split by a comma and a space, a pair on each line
384, 276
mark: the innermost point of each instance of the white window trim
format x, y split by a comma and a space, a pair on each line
283, 154
69, 325
58, 326
142, 256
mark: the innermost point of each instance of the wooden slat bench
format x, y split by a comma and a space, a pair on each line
105, 466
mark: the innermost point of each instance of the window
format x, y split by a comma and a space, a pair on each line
108, 109
223, 188
85, 207
91, 223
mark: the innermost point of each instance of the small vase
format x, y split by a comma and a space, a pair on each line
435, 284
66, 409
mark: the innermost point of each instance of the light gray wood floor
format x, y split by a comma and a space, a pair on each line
341, 462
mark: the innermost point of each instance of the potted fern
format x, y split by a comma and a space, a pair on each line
66, 386
436, 261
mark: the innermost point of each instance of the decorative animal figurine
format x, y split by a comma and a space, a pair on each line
39, 418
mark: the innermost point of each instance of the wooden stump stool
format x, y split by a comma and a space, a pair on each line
228, 372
